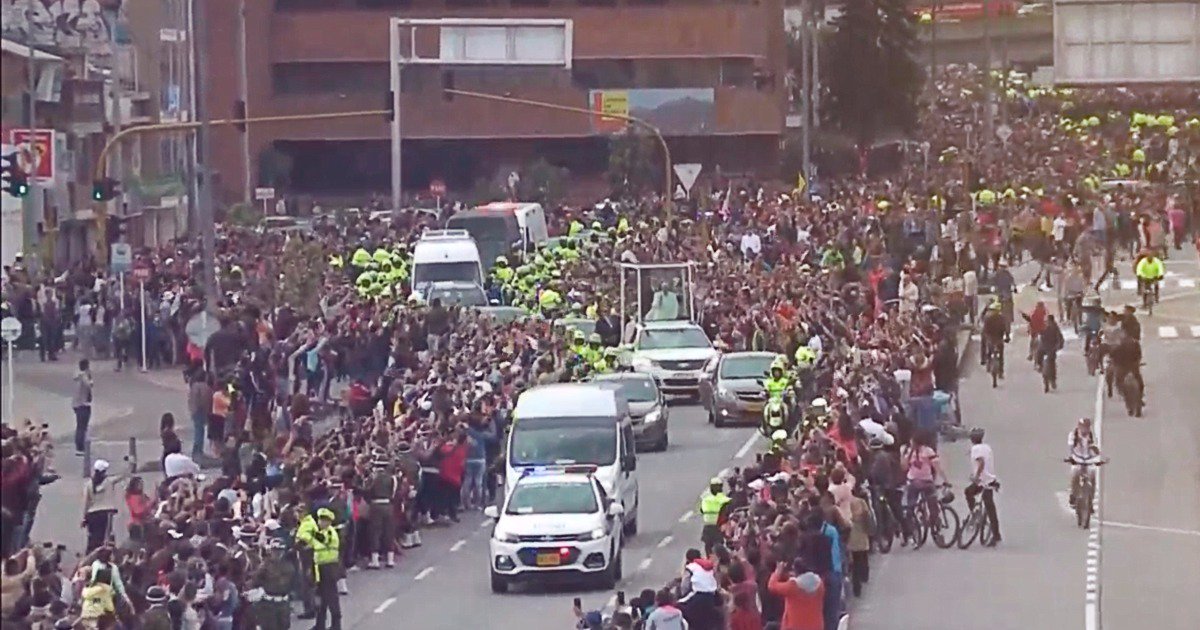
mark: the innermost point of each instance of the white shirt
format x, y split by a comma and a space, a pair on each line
983, 452
875, 430
177, 464
751, 244
1059, 228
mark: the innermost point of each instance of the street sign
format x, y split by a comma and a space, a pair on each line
687, 174
263, 194
141, 274
122, 257
437, 188
200, 327
1004, 132
10, 329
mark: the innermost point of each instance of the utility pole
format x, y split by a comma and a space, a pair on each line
243, 94
806, 89
818, 17
187, 21
31, 207
989, 93
933, 42
208, 236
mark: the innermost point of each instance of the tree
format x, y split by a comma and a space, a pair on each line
872, 77
631, 169
542, 182
301, 270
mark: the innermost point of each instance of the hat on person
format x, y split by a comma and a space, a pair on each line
326, 513
101, 465
156, 595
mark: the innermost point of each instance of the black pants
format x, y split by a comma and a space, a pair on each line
860, 570
989, 505
328, 603
83, 415
99, 526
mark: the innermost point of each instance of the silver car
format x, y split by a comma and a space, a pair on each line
647, 407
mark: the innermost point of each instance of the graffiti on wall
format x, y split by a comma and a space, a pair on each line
96, 27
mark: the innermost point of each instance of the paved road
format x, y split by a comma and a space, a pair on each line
444, 584
1150, 537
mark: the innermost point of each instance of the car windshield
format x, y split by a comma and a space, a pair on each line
636, 390
464, 296
673, 338
559, 441
746, 367
465, 271
504, 314
553, 498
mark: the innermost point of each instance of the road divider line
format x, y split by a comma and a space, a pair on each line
665, 541
645, 564
423, 574
1167, 332
384, 606
1195, 330
687, 516
485, 523
747, 446
1151, 528
458, 545
1093, 563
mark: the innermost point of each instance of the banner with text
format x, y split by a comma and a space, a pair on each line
675, 111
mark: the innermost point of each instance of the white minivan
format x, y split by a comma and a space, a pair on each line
572, 424
445, 256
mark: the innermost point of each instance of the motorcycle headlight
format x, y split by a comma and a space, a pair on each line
653, 416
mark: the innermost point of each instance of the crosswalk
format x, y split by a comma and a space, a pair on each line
1168, 283
1178, 332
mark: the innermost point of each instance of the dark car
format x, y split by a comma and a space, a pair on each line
731, 388
647, 407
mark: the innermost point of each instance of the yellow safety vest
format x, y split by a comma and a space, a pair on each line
711, 505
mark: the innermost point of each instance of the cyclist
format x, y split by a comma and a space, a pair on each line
775, 412
994, 330
923, 467
1149, 271
1093, 318
1081, 448
1126, 355
983, 480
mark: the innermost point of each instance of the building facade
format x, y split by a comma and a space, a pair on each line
708, 73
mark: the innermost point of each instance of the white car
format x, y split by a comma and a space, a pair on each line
555, 523
674, 353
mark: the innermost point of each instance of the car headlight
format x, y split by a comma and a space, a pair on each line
725, 393
653, 416
642, 363
505, 537
595, 534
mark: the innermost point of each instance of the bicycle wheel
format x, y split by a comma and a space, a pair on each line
1085, 514
915, 519
971, 528
944, 526
985, 530
886, 534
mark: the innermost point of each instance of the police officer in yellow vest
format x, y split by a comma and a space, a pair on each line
326, 554
712, 509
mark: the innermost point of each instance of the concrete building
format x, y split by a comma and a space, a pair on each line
710, 73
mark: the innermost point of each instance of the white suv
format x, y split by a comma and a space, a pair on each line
555, 523
674, 353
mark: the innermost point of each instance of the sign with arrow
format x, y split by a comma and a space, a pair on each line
687, 174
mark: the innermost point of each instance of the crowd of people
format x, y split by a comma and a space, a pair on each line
279, 497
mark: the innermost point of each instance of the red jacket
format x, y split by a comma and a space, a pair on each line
801, 610
453, 462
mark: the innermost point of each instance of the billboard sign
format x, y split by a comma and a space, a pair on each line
675, 111
1111, 42
35, 153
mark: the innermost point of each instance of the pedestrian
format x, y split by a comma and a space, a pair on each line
99, 505
983, 481
803, 596
277, 577
81, 402
156, 617
381, 522
326, 555
862, 527
200, 404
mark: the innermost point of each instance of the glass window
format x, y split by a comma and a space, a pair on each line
746, 367
553, 498
545, 442
669, 339
444, 272
636, 389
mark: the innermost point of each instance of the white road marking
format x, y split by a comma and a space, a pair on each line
423, 574
747, 446
384, 606
485, 523
1091, 603
1195, 330
1168, 332
1187, 283
1129, 285
645, 564
686, 516
665, 541
458, 545
1069, 334
1150, 528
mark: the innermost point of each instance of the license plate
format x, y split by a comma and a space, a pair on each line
548, 560
682, 375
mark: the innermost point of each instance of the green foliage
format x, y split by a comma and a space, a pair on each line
275, 168
631, 159
870, 71
542, 182
243, 215
301, 269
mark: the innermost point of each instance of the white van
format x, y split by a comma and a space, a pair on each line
574, 424
501, 226
445, 255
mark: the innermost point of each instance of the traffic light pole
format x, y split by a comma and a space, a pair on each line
31, 206
668, 175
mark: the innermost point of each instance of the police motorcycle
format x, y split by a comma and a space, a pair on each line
778, 410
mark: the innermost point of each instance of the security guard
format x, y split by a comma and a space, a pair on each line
360, 259
779, 445
549, 302
713, 510
805, 357
276, 577
578, 342
325, 545
381, 257
380, 518
592, 353
156, 617
335, 262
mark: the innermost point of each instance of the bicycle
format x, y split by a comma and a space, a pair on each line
994, 363
1085, 496
886, 529
1049, 371
1149, 290
1093, 354
1074, 308
976, 524
932, 517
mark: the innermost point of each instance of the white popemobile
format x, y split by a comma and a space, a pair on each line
556, 522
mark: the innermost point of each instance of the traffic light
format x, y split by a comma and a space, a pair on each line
105, 189
448, 86
16, 182
239, 113
389, 106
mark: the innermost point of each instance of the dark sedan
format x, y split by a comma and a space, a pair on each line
647, 407
731, 390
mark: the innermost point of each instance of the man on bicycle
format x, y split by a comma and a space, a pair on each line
992, 340
1081, 447
1149, 270
1093, 318
983, 480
